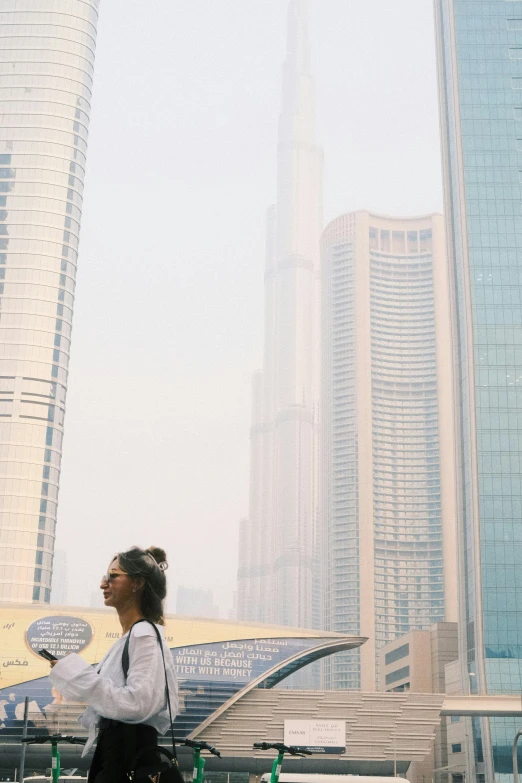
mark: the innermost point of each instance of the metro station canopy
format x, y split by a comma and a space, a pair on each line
216, 660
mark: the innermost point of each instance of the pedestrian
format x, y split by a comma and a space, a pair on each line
128, 712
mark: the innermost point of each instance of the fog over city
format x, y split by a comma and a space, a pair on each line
168, 319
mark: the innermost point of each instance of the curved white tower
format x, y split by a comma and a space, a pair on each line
46, 71
276, 579
388, 458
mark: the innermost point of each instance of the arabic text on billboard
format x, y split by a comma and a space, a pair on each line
234, 661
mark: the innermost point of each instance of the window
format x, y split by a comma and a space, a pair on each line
412, 242
400, 688
398, 674
385, 241
374, 238
456, 748
398, 242
397, 654
5, 160
455, 718
426, 240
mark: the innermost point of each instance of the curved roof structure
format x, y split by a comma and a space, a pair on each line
217, 661
282, 670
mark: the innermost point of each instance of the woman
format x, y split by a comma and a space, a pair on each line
129, 714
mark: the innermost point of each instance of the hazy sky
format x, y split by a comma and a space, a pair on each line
169, 309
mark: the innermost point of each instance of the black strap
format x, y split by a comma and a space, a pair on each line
125, 665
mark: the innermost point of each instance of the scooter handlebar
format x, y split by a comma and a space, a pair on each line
198, 744
293, 750
40, 739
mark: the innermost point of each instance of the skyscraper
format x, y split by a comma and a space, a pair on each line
195, 602
387, 455
480, 81
278, 566
60, 580
46, 67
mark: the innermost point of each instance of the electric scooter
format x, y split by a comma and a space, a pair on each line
199, 762
292, 750
54, 739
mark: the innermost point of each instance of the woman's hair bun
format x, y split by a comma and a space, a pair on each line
159, 555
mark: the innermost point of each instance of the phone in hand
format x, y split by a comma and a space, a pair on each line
47, 655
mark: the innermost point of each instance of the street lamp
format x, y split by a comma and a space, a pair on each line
515, 756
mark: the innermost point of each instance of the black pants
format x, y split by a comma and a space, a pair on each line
118, 744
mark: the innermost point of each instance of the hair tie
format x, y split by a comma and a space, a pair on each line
162, 566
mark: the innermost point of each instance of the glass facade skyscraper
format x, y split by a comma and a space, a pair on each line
46, 71
480, 83
387, 506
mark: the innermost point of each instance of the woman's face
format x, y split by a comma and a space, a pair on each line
118, 587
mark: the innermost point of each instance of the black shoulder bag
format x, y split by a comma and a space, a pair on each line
161, 771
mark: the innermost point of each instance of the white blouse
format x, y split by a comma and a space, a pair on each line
141, 700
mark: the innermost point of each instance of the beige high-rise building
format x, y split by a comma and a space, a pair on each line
387, 454
418, 662
46, 79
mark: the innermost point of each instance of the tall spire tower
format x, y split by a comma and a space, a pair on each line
278, 558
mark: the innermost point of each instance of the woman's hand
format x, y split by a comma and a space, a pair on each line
53, 663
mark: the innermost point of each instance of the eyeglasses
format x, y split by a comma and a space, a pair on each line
112, 575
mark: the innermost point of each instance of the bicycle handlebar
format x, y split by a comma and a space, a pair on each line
198, 744
40, 739
292, 749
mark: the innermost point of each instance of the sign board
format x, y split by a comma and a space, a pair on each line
237, 661
59, 635
319, 736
